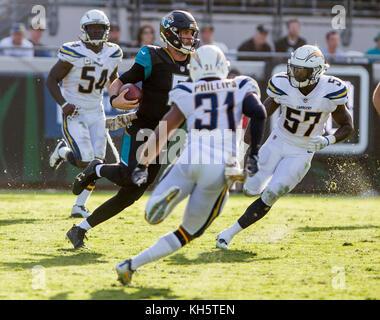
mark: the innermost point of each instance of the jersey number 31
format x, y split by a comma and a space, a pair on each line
213, 111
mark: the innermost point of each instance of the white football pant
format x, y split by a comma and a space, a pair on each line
281, 167
86, 135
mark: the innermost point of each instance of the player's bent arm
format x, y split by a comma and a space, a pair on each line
133, 75
55, 76
376, 98
343, 118
255, 110
165, 129
57, 73
271, 106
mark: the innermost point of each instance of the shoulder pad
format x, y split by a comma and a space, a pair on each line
336, 89
68, 49
183, 87
275, 82
248, 84
116, 52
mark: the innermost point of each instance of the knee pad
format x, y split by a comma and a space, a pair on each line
273, 193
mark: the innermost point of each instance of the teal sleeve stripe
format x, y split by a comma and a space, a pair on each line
143, 58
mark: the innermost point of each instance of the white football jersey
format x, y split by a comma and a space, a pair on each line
83, 85
213, 109
305, 116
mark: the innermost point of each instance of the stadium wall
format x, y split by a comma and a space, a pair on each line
232, 29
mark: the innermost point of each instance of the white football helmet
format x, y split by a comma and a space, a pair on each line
94, 17
305, 66
208, 62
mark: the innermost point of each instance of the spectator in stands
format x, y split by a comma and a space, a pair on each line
114, 37
375, 50
292, 41
256, 44
35, 37
145, 36
332, 53
207, 37
15, 44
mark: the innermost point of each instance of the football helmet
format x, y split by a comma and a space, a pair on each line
170, 26
208, 61
94, 17
305, 66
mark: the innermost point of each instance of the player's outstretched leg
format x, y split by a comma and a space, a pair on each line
165, 246
253, 213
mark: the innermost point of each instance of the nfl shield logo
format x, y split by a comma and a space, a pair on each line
304, 100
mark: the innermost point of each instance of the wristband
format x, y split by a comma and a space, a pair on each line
64, 104
111, 99
331, 139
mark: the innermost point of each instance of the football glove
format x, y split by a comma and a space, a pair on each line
232, 171
120, 121
140, 175
320, 142
251, 166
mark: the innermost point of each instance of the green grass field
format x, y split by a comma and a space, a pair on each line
305, 248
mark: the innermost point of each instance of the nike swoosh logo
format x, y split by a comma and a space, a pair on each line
142, 52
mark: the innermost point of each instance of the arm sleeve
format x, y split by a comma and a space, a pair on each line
254, 109
133, 75
141, 70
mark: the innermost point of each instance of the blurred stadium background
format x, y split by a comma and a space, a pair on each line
30, 119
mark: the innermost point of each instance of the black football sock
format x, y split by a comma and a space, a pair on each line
253, 213
123, 199
71, 159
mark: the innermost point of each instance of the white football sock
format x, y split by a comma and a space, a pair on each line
166, 245
84, 225
63, 151
82, 198
97, 169
231, 231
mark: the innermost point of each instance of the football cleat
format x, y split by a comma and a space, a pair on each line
162, 206
55, 159
76, 235
80, 212
222, 242
88, 175
124, 272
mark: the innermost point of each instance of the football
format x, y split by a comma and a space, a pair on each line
133, 93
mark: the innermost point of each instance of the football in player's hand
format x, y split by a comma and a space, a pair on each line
133, 93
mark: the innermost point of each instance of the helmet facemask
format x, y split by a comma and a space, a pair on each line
93, 36
301, 76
